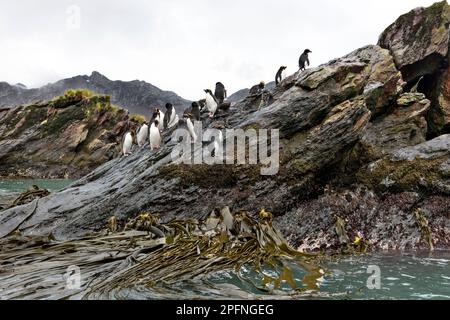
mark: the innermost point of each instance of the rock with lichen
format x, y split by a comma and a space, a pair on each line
416, 168
66, 137
419, 42
404, 125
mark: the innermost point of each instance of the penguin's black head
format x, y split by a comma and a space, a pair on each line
169, 106
195, 105
308, 51
207, 91
262, 84
283, 67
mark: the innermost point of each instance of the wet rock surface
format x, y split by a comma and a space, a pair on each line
356, 157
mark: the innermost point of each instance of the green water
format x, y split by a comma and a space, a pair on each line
19, 186
10, 189
402, 276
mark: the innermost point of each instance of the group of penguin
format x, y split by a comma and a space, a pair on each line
161, 121
212, 102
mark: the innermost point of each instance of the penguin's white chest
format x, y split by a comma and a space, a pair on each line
155, 137
190, 126
218, 144
211, 104
174, 119
142, 135
127, 144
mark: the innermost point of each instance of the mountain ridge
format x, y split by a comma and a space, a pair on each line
138, 97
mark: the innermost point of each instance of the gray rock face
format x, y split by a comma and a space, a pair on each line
136, 96
387, 222
420, 168
403, 126
433, 149
419, 40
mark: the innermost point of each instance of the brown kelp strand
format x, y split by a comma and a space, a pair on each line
152, 259
30, 195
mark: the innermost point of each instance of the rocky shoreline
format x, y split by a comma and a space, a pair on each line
365, 151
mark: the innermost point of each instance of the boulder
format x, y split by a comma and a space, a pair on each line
419, 42
424, 167
405, 125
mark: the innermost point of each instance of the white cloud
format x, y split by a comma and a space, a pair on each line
184, 46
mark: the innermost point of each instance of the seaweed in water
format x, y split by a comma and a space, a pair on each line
154, 258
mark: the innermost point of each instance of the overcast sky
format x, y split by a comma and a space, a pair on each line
183, 45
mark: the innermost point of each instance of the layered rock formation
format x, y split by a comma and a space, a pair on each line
356, 157
65, 138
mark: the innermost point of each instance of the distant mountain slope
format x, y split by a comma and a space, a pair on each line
135, 96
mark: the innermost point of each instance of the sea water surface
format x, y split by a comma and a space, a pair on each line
18, 186
385, 276
398, 276
10, 189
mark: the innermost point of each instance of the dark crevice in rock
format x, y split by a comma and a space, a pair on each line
429, 66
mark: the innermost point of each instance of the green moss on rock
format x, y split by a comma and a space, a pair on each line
413, 175
137, 118
205, 176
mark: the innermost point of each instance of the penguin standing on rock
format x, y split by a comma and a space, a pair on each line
155, 136
142, 135
160, 119
304, 60
127, 142
220, 93
155, 116
187, 117
171, 118
195, 111
211, 103
279, 75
